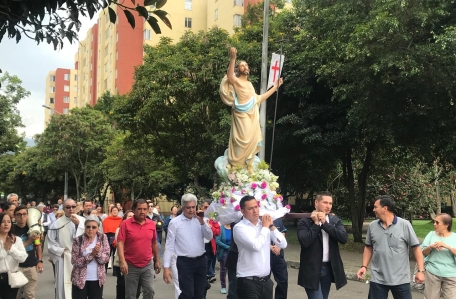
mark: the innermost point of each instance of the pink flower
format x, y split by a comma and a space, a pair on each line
237, 208
263, 185
288, 207
264, 196
222, 201
258, 203
243, 191
232, 200
281, 198
233, 189
254, 185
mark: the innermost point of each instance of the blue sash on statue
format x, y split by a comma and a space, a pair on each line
243, 107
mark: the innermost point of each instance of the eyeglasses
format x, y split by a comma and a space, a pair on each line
70, 207
21, 214
151, 206
91, 227
55, 209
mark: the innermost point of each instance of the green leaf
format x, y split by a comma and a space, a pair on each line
142, 11
162, 15
154, 24
160, 4
130, 18
112, 15
149, 2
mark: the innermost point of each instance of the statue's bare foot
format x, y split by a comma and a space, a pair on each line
250, 169
228, 166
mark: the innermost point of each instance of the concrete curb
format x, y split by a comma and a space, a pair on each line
349, 275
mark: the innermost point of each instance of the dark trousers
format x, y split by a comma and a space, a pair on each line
280, 272
223, 270
91, 290
211, 259
232, 284
380, 291
6, 291
252, 289
192, 277
326, 277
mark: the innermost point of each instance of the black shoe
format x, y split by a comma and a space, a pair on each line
212, 279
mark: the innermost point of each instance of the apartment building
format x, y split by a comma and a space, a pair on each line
107, 57
61, 92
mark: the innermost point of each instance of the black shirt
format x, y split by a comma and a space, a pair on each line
31, 260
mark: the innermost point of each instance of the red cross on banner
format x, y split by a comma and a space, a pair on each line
275, 69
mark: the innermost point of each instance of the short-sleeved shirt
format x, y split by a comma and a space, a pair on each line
390, 258
31, 260
440, 263
137, 241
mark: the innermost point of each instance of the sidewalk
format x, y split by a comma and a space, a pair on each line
352, 261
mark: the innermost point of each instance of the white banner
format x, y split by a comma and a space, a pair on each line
275, 69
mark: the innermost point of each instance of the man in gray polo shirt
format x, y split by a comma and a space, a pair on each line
388, 242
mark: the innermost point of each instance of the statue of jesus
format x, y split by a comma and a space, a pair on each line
238, 92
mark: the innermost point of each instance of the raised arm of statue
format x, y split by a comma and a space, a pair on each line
230, 73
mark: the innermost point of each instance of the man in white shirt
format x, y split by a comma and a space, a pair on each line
186, 234
320, 261
253, 238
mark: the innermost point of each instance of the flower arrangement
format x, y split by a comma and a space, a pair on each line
260, 183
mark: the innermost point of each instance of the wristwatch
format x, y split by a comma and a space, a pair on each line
422, 271
40, 261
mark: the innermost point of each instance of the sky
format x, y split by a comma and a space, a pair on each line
31, 63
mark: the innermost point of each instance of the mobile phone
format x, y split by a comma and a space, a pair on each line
200, 214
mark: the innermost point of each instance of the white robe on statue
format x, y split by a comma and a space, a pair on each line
60, 236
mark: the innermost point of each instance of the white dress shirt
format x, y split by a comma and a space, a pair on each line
325, 238
253, 242
185, 238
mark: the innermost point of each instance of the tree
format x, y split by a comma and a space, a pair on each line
11, 93
174, 107
77, 143
54, 21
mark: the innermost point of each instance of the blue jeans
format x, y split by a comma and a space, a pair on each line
326, 277
380, 291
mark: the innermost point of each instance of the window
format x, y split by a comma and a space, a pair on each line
107, 33
52, 89
146, 34
75, 77
117, 54
188, 4
216, 14
237, 20
106, 84
52, 78
51, 111
75, 88
66, 77
188, 22
66, 99
238, 2
66, 87
105, 66
116, 73
117, 37
65, 110
51, 100
75, 100
106, 50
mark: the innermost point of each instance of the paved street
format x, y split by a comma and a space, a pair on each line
353, 290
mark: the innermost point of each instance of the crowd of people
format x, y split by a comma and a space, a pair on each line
83, 243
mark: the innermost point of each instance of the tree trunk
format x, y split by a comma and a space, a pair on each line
350, 183
362, 186
437, 189
453, 203
76, 179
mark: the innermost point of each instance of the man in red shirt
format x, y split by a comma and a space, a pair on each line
137, 245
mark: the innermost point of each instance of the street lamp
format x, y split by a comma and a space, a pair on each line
65, 188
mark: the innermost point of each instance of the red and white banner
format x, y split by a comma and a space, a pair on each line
275, 69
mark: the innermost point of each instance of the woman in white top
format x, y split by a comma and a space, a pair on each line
12, 252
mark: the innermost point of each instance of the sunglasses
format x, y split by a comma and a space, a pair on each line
91, 226
70, 207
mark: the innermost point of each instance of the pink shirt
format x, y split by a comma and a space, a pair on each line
137, 241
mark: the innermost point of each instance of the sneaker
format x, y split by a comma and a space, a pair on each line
223, 291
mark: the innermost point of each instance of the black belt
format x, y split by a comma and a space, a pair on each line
194, 258
326, 263
257, 278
